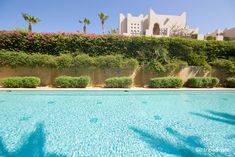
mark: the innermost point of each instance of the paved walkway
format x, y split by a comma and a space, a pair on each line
116, 89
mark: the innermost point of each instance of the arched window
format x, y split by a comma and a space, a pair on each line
156, 29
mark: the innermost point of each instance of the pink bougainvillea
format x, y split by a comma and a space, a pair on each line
30, 36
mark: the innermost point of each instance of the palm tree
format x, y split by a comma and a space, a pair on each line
113, 31
103, 17
85, 22
30, 19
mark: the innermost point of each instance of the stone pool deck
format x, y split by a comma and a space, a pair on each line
117, 89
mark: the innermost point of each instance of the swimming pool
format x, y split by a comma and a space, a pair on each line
117, 123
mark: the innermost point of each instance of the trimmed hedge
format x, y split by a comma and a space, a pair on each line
166, 82
141, 48
230, 82
118, 82
202, 82
72, 82
21, 82
160, 54
14, 59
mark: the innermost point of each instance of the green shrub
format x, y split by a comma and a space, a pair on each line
141, 48
12, 82
225, 65
31, 82
14, 59
210, 38
202, 82
72, 82
64, 61
84, 60
118, 82
230, 82
175, 65
21, 82
165, 82
172, 66
198, 60
156, 66
112, 52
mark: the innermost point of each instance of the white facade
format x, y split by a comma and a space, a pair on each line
227, 33
218, 34
152, 24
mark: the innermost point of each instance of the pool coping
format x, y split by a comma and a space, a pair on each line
116, 89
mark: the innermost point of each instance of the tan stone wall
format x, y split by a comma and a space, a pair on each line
141, 76
48, 75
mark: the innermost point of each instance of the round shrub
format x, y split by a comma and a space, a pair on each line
118, 82
12, 82
31, 82
166, 82
202, 82
72, 82
20, 82
230, 82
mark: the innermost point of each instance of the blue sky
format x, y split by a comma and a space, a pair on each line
63, 15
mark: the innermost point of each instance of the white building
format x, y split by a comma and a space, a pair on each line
152, 24
227, 34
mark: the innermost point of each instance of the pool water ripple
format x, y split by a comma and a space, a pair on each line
117, 123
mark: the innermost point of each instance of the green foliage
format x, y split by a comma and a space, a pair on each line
198, 60
110, 61
144, 49
172, 66
230, 82
64, 61
175, 65
118, 82
219, 50
12, 82
156, 66
103, 16
14, 59
31, 82
30, 19
210, 38
202, 82
165, 82
55, 43
225, 65
72, 82
84, 60
21, 82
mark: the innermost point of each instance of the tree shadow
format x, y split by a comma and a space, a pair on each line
230, 137
217, 116
223, 115
33, 145
185, 146
192, 141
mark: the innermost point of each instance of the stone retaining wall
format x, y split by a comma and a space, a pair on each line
141, 76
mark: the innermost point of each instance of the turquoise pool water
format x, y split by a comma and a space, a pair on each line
117, 123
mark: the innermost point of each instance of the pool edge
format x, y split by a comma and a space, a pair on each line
116, 89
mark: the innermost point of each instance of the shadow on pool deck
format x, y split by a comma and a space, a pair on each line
185, 146
217, 116
33, 145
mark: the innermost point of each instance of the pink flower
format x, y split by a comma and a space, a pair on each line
30, 36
